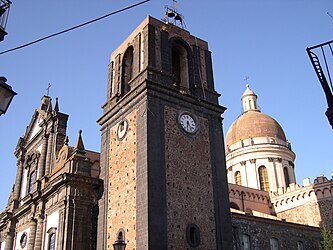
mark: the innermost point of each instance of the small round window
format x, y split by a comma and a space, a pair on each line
193, 235
122, 129
24, 240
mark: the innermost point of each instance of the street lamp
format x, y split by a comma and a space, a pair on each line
6, 95
119, 245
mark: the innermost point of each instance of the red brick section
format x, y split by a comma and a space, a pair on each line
189, 183
121, 211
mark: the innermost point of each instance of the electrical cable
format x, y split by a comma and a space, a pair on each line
72, 28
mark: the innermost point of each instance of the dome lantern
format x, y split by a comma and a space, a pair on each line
249, 99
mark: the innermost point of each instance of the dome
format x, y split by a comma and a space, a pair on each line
252, 124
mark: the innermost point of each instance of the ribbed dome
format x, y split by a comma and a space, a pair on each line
252, 124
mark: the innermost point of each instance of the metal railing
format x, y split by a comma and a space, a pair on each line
321, 57
4, 10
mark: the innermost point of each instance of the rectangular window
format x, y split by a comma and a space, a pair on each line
274, 244
300, 245
246, 242
32, 179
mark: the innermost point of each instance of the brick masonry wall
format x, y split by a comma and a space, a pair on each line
121, 211
188, 183
308, 214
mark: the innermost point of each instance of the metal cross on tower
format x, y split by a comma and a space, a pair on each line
48, 89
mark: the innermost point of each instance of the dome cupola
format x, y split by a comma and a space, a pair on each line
258, 154
252, 123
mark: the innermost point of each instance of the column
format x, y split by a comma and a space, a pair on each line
39, 232
42, 159
32, 234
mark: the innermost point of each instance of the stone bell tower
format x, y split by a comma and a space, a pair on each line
162, 156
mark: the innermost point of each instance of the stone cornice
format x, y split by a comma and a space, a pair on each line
262, 151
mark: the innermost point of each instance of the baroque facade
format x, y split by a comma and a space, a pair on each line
53, 204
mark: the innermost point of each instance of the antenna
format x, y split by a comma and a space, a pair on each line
171, 12
330, 15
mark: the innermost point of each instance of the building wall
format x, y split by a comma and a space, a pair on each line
307, 214
311, 204
261, 230
121, 212
248, 199
189, 183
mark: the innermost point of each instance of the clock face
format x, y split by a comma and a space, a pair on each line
122, 129
188, 123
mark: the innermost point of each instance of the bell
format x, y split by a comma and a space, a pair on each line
170, 13
178, 17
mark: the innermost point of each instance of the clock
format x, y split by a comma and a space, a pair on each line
122, 129
188, 122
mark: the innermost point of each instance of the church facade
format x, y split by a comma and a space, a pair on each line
53, 204
160, 180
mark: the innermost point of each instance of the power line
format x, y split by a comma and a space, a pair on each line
330, 15
72, 28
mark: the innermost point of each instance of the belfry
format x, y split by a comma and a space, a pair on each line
162, 157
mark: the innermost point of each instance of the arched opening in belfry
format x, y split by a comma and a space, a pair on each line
180, 65
127, 70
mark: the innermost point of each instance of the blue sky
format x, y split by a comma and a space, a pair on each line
262, 39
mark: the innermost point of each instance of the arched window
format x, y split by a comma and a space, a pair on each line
121, 234
238, 178
52, 241
263, 178
52, 232
180, 65
127, 71
274, 244
32, 179
246, 242
286, 176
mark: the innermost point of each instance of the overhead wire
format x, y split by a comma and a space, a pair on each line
73, 28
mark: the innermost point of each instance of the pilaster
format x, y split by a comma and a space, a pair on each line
42, 160
49, 153
9, 241
39, 232
18, 180
32, 234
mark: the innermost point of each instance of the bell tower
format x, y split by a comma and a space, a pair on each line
162, 150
